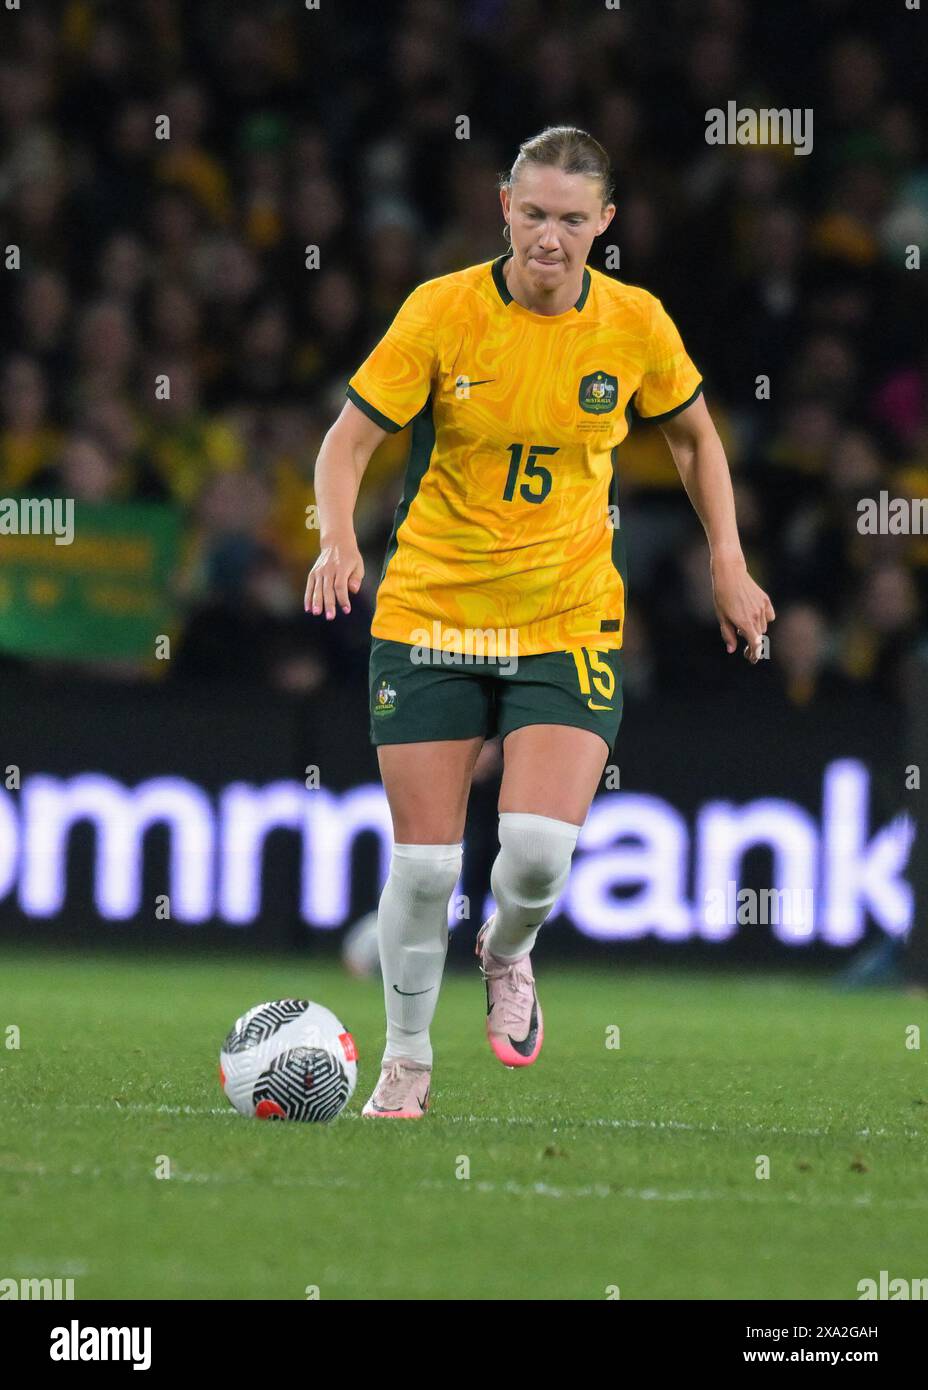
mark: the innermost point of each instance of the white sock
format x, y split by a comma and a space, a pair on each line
528, 874
412, 933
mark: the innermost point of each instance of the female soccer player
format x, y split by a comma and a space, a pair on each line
501, 601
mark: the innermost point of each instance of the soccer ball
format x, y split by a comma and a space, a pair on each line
360, 951
289, 1060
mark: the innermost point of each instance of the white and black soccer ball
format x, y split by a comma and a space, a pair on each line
289, 1060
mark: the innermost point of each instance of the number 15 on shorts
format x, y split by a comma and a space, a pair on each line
595, 676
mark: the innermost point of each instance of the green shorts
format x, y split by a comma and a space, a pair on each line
443, 695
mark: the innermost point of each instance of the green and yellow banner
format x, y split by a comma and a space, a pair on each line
92, 584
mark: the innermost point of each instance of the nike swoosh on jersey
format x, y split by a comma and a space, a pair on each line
485, 381
408, 993
590, 706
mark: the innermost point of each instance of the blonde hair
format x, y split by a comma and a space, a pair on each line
563, 147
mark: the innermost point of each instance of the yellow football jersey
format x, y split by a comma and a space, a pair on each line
508, 519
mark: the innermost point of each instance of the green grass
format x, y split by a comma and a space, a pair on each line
632, 1167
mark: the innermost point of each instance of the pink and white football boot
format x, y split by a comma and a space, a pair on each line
402, 1093
515, 1026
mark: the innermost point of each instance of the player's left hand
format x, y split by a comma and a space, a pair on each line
741, 607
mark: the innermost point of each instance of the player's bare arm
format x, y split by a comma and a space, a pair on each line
740, 604
343, 458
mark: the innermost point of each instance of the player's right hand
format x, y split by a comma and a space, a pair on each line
742, 608
336, 574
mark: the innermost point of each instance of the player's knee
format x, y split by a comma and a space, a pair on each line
535, 853
425, 874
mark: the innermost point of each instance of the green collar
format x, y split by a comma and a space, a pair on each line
499, 281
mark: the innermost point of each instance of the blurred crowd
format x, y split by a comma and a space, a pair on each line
336, 128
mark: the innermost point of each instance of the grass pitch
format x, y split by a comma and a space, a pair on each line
598, 1167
